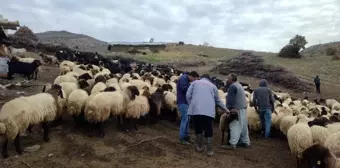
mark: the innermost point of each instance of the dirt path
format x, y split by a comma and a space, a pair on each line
72, 148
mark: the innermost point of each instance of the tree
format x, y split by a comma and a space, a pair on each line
298, 41
151, 40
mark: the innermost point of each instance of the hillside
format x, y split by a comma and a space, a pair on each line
321, 48
69, 39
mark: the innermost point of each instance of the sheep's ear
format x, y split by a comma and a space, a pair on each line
59, 89
44, 89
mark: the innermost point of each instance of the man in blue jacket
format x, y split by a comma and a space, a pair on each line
182, 104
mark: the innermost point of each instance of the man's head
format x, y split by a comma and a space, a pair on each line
193, 76
231, 78
263, 83
206, 76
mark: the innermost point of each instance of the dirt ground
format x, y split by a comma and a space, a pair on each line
72, 148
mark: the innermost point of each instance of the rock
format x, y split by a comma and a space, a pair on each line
33, 148
50, 155
102, 151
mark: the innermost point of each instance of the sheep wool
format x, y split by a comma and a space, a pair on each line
17, 114
299, 138
111, 81
332, 128
333, 142
286, 123
68, 88
319, 133
65, 78
253, 119
138, 83
76, 102
100, 86
70, 64
170, 100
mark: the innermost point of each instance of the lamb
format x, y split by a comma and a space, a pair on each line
76, 104
49, 59
299, 138
17, 114
28, 69
99, 106
224, 123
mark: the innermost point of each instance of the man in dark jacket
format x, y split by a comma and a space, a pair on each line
317, 84
182, 104
264, 104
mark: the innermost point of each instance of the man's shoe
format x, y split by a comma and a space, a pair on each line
199, 142
243, 145
188, 139
209, 146
183, 142
228, 147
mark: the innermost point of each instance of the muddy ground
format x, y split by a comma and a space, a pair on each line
72, 148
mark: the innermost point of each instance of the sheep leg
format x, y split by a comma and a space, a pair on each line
76, 121
46, 130
101, 128
5, 149
91, 129
135, 123
17, 145
222, 137
29, 129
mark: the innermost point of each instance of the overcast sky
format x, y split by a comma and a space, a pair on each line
264, 25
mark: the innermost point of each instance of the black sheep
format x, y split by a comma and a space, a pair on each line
27, 69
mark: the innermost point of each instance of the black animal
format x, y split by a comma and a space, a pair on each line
27, 69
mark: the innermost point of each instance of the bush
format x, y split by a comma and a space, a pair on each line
181, 43
290, 51
331, 51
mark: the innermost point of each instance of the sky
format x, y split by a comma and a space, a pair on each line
263, 25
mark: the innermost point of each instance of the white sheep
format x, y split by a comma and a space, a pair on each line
67, 63
299, 138
330, 102
17, 51
65, 78
76, 102
319, 133
254, 121
100, 86
333, 142
139, 83
64, 70
287, 122
170, 100
18, 114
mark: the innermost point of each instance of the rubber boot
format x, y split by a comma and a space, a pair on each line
209, 146
199, 142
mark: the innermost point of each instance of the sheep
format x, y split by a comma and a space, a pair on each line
334, 127
17, 114
111, 81
159, 81
333, 142
65, 78
17, 51
64, 70
139, 83
224, 123
320, 156
27, 60
100, 86
69, 64
99, 106
28, 69
299, 138
336, 107
253, 119
319, 133
69, 87
76, 104
287, 122
49, 59
330, 102
170, 102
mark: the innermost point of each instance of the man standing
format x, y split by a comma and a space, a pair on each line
264, 104
317, 84
202, 97
236, 99
182, 105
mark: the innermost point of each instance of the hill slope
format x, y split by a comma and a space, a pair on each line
321, 48
70, 39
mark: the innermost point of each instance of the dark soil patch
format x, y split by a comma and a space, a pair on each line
254, 66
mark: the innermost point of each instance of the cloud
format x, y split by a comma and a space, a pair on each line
264, 25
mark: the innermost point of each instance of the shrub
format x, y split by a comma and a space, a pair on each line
331, 51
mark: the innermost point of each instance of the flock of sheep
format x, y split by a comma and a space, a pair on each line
92, 94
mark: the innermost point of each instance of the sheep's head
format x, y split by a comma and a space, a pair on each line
37, 62
83, 84
132, 92
89, 67
47, 86
167, 87
135, 77
109, 89
94, 71
41, 54
82, 67
317, 156
100, 78
56, 90
85, 76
